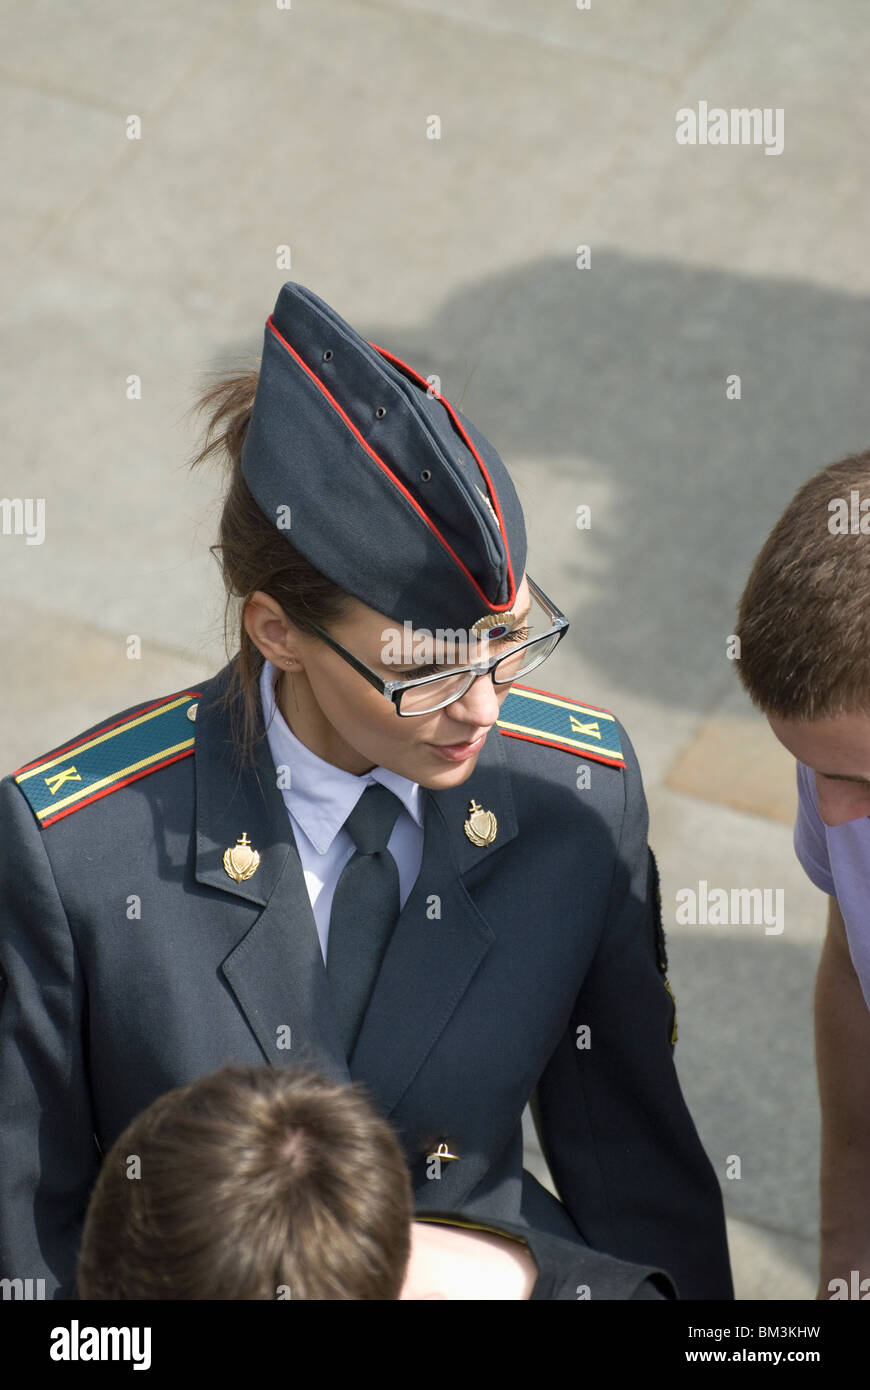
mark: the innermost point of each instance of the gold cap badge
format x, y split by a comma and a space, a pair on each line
481, 826
242, 861
499, 621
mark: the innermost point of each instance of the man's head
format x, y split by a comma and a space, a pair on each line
252, 1183
804, 630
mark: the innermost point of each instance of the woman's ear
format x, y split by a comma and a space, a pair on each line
271, 631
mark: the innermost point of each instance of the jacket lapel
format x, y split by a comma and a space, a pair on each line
276, 971
441, 936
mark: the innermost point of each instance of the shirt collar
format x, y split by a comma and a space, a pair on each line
321, 796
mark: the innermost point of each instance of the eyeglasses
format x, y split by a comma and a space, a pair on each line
425, 694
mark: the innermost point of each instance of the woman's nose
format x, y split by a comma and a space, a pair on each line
479, 705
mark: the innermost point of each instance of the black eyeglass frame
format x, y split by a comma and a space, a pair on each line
393, 690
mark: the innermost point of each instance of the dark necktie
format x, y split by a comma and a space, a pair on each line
365, 908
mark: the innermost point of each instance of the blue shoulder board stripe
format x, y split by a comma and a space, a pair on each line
111, 757
541, 717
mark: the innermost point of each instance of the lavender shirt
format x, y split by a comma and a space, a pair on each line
837, 860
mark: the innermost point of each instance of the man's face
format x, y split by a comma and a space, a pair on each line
838, 751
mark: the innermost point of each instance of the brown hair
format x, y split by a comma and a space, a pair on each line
253, 552
804, 617
252, 1181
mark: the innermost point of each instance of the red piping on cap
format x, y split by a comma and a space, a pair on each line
421, 381
501, 608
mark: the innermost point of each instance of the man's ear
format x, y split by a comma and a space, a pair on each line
271, 631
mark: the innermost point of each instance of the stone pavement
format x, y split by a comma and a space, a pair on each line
306, 128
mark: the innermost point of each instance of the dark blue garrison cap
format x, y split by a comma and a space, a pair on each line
392, 493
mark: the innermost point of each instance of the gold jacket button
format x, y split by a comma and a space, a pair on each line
443, 1152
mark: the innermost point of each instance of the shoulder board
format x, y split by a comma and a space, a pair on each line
109, 757
541, 717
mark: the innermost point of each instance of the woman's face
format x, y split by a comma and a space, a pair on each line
337, 713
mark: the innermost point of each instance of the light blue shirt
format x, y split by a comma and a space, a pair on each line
319, 798
836, 858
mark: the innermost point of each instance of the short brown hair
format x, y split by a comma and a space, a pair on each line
253, 553
804, 617
253, 1183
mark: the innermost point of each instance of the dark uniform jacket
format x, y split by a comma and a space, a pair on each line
530, 967
567, 1271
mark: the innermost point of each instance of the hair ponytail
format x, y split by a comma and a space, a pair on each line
252, 552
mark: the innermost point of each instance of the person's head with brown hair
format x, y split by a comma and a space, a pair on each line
804, 632
252, 1183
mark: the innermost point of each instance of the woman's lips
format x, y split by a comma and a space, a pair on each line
458, 752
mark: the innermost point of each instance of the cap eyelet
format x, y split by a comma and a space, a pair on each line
327, 356
380, 412
425, 475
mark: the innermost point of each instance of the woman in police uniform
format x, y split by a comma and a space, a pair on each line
364, 845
